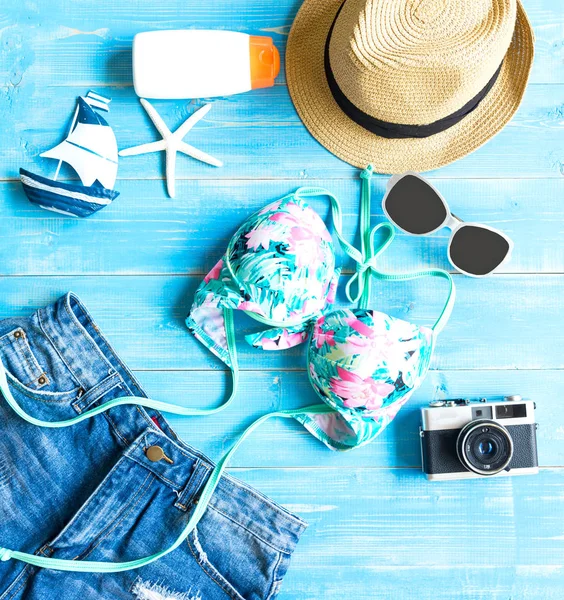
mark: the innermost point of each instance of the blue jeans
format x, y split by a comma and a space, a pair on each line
119, 486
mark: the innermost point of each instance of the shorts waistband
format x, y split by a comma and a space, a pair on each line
98, 369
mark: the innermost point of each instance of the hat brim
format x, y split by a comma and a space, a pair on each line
352, 143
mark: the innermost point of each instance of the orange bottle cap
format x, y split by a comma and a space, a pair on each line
265, 61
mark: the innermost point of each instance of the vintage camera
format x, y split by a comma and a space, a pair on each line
462, 439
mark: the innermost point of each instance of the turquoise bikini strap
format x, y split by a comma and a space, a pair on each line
451, 297
337, 215
205, 496
124, 400
136, 400
367, 265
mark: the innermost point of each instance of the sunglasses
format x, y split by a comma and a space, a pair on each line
416, 207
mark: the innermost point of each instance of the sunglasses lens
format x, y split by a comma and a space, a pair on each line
476, 250
414, 206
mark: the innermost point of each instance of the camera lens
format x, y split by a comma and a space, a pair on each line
484, 447
487, 448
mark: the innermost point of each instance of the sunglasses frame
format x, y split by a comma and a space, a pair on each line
451, 221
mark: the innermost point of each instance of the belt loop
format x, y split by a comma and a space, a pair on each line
86, 398
199, 475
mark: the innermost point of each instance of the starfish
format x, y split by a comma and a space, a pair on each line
172, 143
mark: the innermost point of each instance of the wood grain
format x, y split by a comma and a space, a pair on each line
391, 534
282, 443
96, 35
259, 135
500, 322
378, 529
144, 232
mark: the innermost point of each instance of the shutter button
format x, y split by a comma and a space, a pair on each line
156, 454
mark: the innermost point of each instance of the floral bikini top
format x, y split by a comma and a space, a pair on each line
280, 269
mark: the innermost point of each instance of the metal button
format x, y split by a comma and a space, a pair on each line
18, 334
156, 454
42, 380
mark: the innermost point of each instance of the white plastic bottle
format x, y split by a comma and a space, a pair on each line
192, 63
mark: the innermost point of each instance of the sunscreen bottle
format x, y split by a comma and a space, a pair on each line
192, 63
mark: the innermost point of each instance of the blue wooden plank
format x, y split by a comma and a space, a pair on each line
145, 232
504, 321
262, 392
377, 531
381, 534
40, 40
259, 135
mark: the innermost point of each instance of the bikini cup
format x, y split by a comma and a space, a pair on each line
280, 269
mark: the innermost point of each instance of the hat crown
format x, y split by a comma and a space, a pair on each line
418, 61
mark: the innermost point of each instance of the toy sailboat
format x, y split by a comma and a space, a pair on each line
90, 148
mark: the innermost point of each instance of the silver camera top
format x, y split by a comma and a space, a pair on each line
455, 414
465, 401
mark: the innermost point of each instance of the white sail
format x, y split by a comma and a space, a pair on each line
90, 148
89, 167
101, 140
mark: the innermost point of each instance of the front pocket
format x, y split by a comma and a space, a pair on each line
39, 381
21, 362
242, 564
40, 395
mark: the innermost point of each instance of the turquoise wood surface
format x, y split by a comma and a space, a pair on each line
378, 529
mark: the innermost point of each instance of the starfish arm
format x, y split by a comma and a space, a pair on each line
144, 148
156, 118
171, 171
191, 121
198, 154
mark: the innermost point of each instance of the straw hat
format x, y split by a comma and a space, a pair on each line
408, 84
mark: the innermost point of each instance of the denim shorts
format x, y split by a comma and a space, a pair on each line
91, 492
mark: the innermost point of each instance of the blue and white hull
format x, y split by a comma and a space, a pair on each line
66, 198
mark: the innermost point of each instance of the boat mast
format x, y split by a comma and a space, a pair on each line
70, 131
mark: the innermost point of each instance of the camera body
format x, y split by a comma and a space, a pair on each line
461, 439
